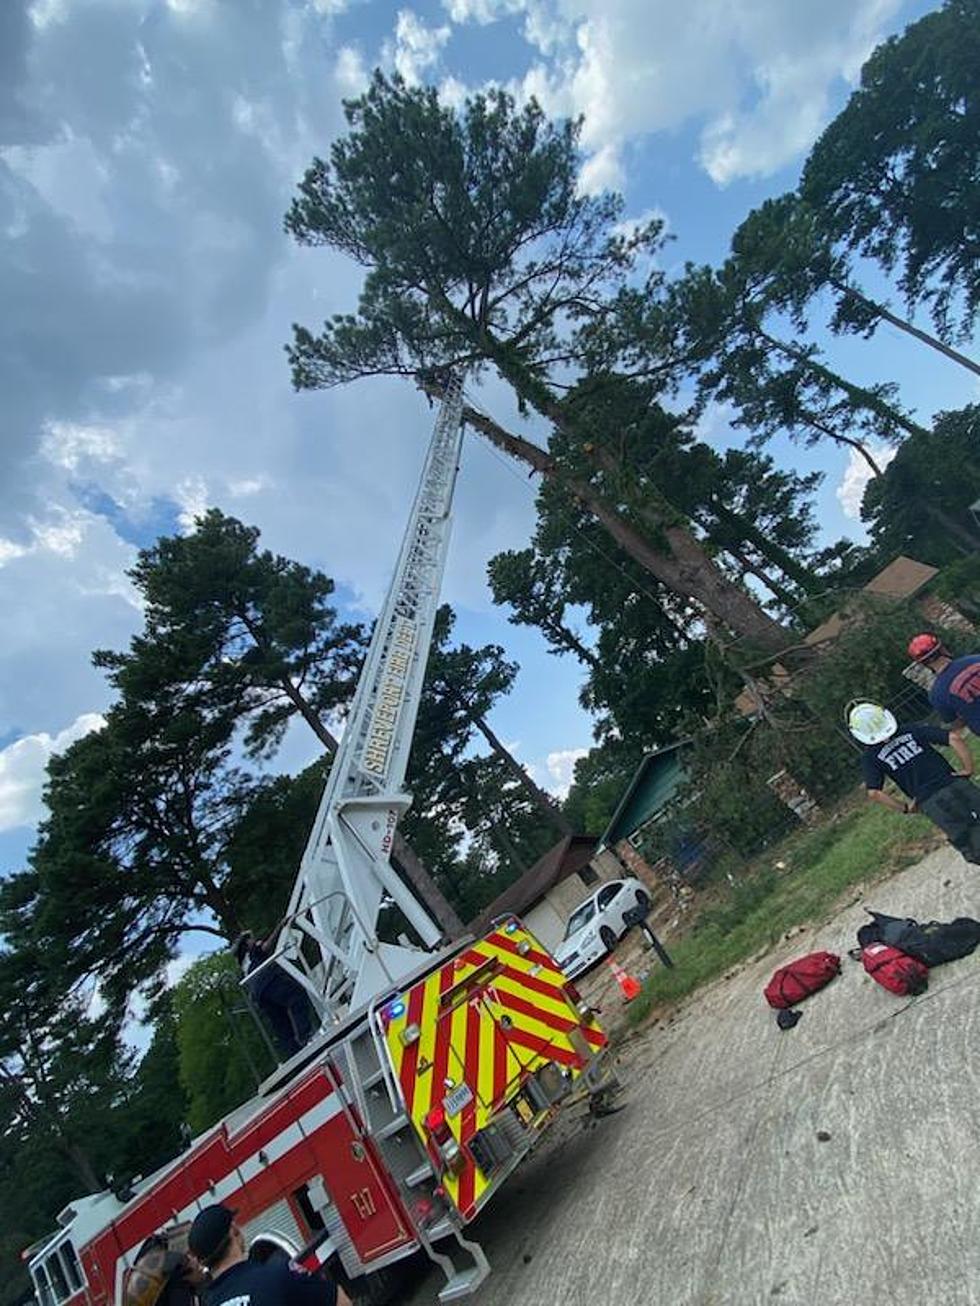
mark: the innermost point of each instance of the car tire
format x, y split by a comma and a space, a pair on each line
643, 899
608, 936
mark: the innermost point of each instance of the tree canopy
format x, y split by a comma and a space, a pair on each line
895, 174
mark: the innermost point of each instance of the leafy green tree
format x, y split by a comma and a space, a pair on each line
600, 780
719, 321
62, 1069
481, 251
788, 246
455, 786
131, 856
222, 1055
895, 174
254, 630
257, 637
921, 505
530, 583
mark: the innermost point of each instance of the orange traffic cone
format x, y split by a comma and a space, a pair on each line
629, 986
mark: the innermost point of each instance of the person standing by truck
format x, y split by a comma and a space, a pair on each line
218, 1244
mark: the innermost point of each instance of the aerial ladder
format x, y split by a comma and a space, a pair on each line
436, 1068
329, 942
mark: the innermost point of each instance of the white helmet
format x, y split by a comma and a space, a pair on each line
870, 723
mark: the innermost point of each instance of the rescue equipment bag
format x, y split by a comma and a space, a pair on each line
894, 970
933, 944
798, 979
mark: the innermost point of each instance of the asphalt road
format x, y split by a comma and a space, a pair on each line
837, 1162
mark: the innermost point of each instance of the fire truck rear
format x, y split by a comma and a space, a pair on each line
387, 1137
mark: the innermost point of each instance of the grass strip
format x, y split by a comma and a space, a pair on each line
797, 883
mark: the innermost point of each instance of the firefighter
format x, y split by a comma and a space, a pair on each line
219, 1246
163, 1273
278, 996
955, 691
906, 754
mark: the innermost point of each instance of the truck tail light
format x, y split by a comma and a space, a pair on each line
441, 1138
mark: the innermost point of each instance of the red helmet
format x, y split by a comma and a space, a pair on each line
923, 647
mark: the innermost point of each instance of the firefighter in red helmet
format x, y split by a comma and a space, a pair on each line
955, 690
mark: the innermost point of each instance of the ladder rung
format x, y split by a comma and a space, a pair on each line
375, 1077
392, 1127
419, 1176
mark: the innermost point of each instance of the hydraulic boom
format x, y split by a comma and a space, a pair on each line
329, 943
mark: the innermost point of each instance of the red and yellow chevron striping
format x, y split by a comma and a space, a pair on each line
464, 1040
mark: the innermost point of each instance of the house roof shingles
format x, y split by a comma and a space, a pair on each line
565, 858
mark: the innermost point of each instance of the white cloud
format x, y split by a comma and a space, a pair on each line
22, 766
62, 533
247, 486
482, 11
350, 72
192, 495
10, 549
856, 476
754, 76
416, 47
68, 444
561, 769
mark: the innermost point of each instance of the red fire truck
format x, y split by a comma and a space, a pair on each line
435, 1069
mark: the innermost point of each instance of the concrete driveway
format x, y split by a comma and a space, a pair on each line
838, 1162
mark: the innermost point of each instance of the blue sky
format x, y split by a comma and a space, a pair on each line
148, 149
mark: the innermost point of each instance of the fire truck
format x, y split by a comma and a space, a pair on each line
435, 1069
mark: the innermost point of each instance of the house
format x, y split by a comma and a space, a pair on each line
546, 895
649, 795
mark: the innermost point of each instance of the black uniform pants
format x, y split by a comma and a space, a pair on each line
956, 810
286, 1007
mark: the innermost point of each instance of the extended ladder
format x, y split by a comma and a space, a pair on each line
330, 943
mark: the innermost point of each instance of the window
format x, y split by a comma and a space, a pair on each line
588, 874
608, 894
44, 1294
580, 918
72, 1267
59, 1284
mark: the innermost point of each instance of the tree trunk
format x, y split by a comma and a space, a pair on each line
787, 599
904, 325
47, 1117
858, 396
505, 845
404, 857
563, 638
773, 553
684, 568
80, 1163
544, 801
850, 440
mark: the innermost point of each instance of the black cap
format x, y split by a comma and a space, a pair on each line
209, 1232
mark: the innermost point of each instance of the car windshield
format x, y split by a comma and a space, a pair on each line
580, 918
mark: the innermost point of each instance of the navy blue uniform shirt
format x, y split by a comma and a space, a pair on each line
956, 691
269, 1283
918, 770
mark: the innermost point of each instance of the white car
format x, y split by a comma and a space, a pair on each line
596, 925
